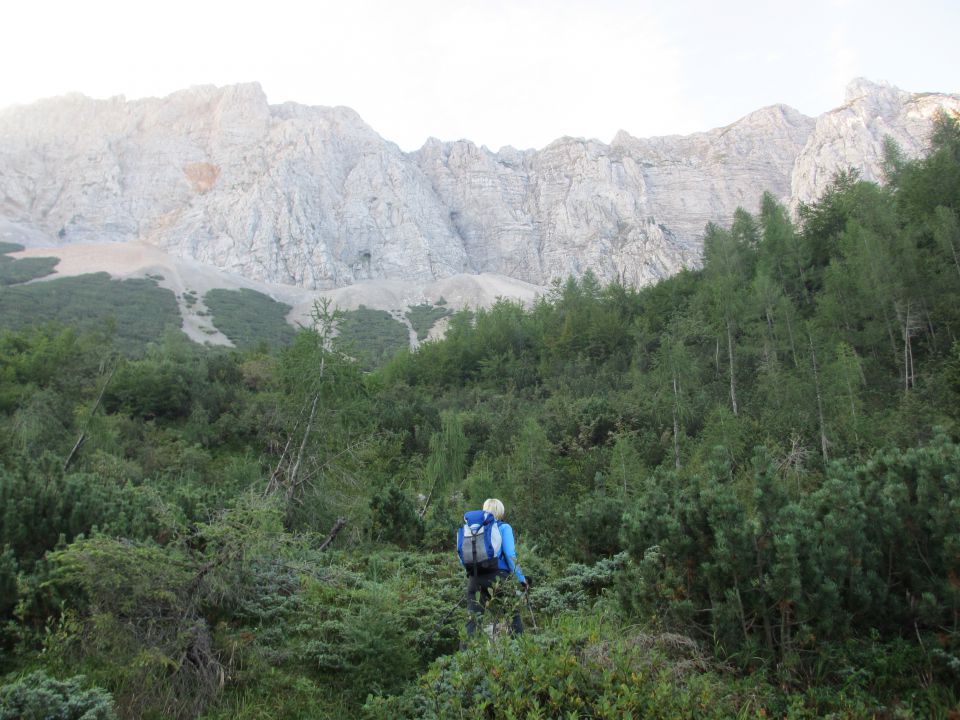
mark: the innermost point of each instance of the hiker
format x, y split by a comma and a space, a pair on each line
489, 555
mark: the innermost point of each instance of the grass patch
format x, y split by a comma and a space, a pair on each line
424, 316
374, 336
137, 311
249, 318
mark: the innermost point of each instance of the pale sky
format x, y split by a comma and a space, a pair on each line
519, 73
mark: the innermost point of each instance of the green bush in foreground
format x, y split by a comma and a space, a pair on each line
588, 667
40, 697
576, 669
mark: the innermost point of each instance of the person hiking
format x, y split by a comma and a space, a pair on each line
491, 564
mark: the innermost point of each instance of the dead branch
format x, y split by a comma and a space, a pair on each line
334, 531
83, 433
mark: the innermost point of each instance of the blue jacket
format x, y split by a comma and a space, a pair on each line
508, 557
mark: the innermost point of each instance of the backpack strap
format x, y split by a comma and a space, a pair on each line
476, 565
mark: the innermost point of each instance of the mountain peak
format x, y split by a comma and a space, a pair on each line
861, 86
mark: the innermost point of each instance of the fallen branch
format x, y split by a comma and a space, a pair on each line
83, 433
334, 531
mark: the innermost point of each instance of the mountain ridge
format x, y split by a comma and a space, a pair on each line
312, 196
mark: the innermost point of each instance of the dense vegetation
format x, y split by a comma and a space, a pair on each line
134, 311
248, 317
737, 492
371, 336
19, 270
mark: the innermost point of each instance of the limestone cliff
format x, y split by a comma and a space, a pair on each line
312, 196
852, 136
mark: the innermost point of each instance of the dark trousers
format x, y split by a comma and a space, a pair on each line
489, 586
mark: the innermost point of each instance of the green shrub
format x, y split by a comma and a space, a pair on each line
578, 586
599, 517
394, 519
776, 572
148, 389
8, 584
377, 621
40, 697
40, 506
575, 669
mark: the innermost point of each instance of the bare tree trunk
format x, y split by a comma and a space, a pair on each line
765, 614
909, 326
295, 469
784, 628
733, 380
676, 423
906, 352
426, 504
893, 339
906, 361
853, 412
743, 616
931, 330
783, 289
793, 347
274, 481
956, 260
816, 383
770, 347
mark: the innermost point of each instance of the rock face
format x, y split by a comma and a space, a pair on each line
853, 134
312, 196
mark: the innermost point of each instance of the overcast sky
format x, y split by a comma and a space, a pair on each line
519, 73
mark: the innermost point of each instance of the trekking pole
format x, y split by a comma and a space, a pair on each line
442, 621
526, 596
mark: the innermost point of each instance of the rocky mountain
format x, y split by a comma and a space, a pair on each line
853, 134
313, 197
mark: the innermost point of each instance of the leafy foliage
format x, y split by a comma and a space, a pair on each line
42, 507
575, 670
